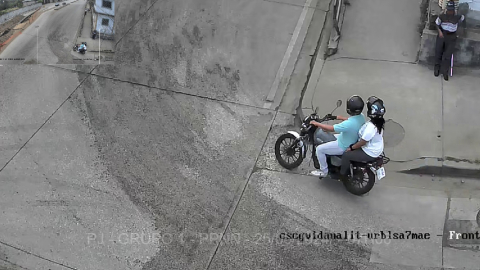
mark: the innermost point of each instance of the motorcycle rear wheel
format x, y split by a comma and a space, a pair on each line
282, 146
352, 184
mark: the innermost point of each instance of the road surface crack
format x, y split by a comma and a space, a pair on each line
166, 89
38, 256
241, 194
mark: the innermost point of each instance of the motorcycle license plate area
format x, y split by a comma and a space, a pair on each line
380, 173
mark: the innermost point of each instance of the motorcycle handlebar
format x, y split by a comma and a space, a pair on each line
327, 118
316, 118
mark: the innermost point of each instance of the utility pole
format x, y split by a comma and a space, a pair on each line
37, 43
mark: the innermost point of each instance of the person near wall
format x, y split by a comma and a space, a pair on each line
447, 25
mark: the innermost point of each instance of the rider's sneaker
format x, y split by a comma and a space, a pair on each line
319, 173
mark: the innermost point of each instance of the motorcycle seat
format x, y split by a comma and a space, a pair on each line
370, 163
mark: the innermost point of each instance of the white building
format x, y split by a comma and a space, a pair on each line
103, 16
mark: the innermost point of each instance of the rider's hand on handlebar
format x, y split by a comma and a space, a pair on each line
330, 117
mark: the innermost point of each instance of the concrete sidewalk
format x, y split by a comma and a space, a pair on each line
96, 48
85, 35
431, 118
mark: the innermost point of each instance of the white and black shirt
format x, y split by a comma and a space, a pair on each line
450, 26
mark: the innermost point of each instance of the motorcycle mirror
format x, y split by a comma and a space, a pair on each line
339, 103
316, 109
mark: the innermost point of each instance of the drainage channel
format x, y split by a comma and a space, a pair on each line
445, 171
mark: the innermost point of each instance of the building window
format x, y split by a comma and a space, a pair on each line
105, 22
107, 4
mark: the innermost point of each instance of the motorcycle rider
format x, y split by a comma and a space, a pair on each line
370, 145
348, 130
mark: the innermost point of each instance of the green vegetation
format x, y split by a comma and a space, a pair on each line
5, 11
9, 5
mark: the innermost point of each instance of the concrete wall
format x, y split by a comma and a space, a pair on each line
6, 17
467, 50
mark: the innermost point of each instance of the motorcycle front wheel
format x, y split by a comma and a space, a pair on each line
361, 182
287, 152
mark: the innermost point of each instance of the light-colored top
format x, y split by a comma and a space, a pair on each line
348, 130
448, 26
369, 133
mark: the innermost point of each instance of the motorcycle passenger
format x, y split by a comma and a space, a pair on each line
348, 130
370, 145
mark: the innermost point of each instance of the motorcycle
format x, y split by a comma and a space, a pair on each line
294, 146
75, 48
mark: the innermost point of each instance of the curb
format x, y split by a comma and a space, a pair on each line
27, 17
80, 27
305, 107
287, 66
334, 36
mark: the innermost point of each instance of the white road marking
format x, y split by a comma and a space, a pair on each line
286, 57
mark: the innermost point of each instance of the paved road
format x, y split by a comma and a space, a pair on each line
56, 33
173, 142
113, 160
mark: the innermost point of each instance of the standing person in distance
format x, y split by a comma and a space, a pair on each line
447, 25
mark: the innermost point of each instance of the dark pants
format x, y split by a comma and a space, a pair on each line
443, 51
355, 155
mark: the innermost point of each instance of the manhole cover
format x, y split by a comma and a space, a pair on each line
394, 133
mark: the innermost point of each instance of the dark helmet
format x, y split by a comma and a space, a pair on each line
451, 5
375, 107
355, 105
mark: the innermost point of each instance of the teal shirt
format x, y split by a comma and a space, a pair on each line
348, 130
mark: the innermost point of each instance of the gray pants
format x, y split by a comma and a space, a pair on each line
444, 48
355, 155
